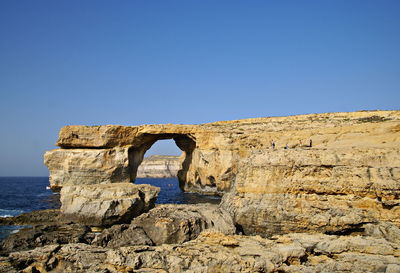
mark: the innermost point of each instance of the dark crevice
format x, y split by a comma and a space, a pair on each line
304, 259
239, 229
356, 229
211, 179
34, 270
387, 206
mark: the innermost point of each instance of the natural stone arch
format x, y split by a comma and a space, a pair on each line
185, 142
353, 166
111, 154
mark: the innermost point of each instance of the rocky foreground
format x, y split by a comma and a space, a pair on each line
196, 238
310, 193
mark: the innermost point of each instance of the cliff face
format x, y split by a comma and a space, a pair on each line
159, 166
349, 176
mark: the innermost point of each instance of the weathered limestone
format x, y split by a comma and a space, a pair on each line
122, 235
107, 136
88, 166
106, 204
332, 206
301, 190
349, 177
41, 235
216, 252
167, 224
159, 166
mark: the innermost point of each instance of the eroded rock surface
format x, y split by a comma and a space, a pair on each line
106, 204
316, 189
87, 166
216, 252
39, 217
167, 224
122, 235
348, 177
324, 198
41, 235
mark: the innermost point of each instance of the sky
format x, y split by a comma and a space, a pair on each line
134, 62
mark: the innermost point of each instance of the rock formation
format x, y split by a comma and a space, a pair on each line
295, 190
106, 204
169, 224
216, 252
309, 193
159, 166
348, 177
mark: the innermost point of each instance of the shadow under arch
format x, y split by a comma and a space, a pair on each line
144, 142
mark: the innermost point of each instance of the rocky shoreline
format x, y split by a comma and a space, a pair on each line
192, 238
329, 206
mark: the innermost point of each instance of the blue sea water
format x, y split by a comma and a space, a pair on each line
25, 194
170, 192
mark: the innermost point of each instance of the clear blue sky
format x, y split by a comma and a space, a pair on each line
138, 62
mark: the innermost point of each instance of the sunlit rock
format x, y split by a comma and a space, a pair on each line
106, 204
330, 173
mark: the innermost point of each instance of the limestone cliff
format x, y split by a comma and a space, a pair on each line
327, 172
159, 166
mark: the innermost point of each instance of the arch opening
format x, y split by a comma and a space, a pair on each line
162, 160
173, 190
184, 142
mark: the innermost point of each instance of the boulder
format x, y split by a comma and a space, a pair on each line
122, 235
167, 224
106, 204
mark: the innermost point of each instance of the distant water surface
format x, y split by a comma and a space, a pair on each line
171, 193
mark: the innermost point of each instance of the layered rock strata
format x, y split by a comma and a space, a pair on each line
299, 190
106, 204
159, 166
324, 172
88, 166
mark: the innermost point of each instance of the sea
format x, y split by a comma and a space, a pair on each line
25, 194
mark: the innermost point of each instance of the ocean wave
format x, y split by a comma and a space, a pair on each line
10, 212
5, 231
44, 194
